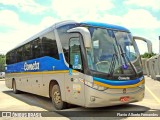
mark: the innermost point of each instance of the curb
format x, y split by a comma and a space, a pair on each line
2, 79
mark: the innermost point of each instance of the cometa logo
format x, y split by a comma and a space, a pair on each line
123, 78
33, 66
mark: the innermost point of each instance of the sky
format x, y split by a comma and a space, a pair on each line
21, 19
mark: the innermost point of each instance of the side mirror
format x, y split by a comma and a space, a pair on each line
149, 44
85, 33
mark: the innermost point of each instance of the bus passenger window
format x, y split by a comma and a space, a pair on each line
36, 49
75, 54
20, 54
49, 45
10, 57
27, 51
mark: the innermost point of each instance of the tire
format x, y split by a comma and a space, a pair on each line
57, 98
14, 87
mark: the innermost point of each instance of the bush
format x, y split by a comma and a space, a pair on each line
148, 55
2, 62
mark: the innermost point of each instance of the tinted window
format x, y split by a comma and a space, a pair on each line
49, 45
75, 54
44, 46
27, 52
14, 56
7, 58
64, 38
36, 48
19, 54
11, 57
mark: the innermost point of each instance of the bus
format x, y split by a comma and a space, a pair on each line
89, 64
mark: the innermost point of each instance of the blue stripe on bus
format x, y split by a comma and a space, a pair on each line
118, 82
46, 63
105, 25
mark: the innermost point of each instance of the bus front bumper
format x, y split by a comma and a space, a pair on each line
95, 98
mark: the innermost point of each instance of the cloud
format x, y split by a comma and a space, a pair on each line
20, 30
140, 18
153, 4
150, 34
25, 5
155, 45
142, 23
48, 21
73, 9
142, 46
10, 37
9, 18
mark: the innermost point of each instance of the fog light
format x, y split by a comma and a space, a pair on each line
92, 99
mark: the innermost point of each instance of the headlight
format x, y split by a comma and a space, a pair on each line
141, 86
89, 83
95, 86
102, 88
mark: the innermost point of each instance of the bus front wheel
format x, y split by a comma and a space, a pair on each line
57, 99
14, 87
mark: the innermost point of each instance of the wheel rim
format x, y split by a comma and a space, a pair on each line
57, 97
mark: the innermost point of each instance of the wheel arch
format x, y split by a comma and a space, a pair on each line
13, 79
51, 84
60, 84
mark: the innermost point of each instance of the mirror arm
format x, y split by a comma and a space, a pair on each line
85, 33
149, 43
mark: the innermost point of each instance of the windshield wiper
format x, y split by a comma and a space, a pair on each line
113, 62
124, 56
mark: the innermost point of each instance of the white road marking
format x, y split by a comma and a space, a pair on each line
155, 97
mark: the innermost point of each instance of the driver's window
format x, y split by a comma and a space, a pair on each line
75, 53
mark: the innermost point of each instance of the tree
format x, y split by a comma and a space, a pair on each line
148, 55
2, 62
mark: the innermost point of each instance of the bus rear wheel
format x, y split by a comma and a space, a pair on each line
56, 98
14, 87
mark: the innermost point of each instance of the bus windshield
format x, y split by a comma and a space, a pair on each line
113, 52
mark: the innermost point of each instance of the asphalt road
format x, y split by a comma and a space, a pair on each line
29, 102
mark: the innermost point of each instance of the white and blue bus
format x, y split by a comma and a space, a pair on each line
89, 64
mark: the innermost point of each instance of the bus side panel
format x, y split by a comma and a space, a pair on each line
32, 83
8, 80
27, 82
57, 74
53, 75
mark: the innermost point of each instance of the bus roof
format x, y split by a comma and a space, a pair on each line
105, 25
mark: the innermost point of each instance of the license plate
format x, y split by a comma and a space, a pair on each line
124, 99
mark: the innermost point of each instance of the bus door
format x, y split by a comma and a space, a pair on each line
74, 80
